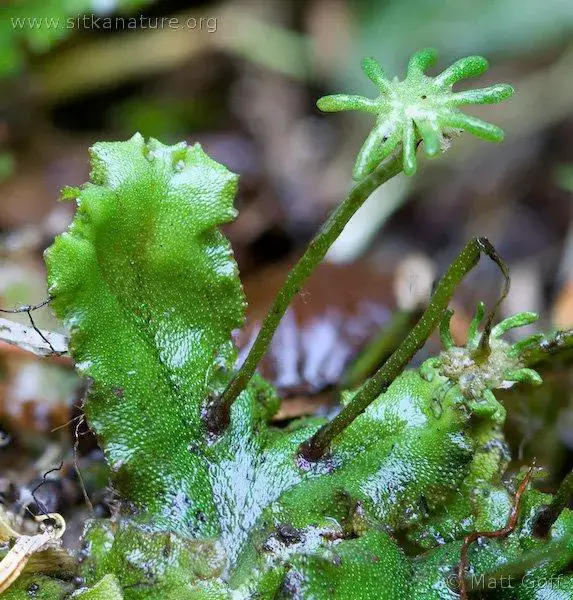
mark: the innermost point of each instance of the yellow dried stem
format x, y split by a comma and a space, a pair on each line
26, 546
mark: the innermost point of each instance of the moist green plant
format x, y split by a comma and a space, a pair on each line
215, 501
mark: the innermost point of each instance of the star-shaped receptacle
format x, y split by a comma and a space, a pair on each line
418, 108
475, 374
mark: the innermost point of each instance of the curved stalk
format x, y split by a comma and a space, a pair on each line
217, 416
314, 448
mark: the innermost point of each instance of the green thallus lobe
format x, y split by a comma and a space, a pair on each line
418, 108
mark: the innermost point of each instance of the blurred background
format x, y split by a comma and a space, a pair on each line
242, 78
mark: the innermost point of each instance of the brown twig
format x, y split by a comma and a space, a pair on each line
77, 434
499, 533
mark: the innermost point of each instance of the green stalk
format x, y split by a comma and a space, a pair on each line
217, 416
314, 448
